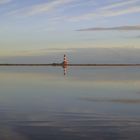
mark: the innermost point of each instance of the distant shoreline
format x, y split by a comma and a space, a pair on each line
57, 64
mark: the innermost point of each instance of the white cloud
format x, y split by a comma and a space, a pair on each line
114, 9
41, 8
46, 7
109, 10
130, 10
119, 4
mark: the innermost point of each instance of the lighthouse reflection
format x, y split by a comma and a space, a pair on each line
64, 69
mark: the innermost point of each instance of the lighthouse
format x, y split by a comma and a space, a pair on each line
65, 62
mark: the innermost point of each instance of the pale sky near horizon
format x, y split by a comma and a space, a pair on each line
37, 27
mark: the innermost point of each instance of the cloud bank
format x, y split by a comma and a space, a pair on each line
119, 28
124, 101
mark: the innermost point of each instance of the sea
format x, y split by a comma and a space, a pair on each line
76, 103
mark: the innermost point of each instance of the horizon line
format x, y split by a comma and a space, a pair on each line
63, 65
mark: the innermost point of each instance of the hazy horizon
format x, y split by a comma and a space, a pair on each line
80, 55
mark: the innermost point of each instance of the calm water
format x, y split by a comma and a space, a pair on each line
40, 103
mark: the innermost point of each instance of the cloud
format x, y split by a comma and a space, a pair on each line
112, 10
46, 7
5, 1
40, 8
130, 10
119, 4
124, 101
40, 52
108, 10
119, 28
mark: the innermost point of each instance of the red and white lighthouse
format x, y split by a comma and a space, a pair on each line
65, 64
65, 61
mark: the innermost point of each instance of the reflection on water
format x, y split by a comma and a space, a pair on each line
65, 69
39, 103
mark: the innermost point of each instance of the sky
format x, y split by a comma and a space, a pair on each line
40, 27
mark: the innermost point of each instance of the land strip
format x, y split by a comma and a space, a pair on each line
57, 64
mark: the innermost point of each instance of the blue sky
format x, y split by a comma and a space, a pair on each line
38, 27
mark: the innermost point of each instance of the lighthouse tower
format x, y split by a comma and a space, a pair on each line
65, 62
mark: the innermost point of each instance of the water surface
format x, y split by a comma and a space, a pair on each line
39, 103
